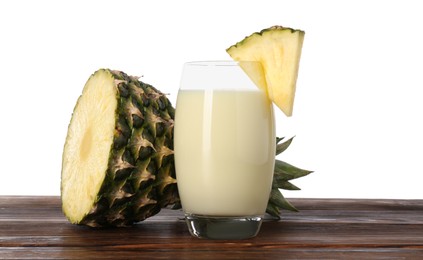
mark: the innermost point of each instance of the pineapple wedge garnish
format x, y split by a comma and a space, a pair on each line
278, 49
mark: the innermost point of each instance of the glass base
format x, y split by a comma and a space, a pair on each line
223, 227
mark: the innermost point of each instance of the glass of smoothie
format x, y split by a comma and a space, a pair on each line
224, 143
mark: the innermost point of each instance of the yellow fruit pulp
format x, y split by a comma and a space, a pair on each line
278, 49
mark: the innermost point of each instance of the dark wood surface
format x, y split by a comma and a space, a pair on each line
35, 228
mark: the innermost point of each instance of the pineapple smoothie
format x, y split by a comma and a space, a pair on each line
224, 151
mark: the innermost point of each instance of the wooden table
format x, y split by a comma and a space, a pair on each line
35, 228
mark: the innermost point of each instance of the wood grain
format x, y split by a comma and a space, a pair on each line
35, 228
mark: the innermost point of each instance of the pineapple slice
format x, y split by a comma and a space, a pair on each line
278, 49
86, 153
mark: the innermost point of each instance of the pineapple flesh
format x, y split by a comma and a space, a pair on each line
117, 165
278, 49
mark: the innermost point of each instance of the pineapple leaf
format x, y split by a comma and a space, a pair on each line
273, 211
283, 173
285, 185
277, 199
286, 171
280, 182
280, 148
278, 139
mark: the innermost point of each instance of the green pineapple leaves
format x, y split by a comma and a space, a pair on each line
284, 172
280, 148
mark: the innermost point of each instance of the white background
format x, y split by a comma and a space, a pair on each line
358, 110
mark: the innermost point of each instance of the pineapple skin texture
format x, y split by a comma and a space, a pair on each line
140, 176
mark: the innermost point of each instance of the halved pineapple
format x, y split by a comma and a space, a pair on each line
278, 49
117, 164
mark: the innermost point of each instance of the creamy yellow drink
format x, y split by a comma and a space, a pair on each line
224, 151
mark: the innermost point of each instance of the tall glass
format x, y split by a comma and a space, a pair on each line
224, 143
